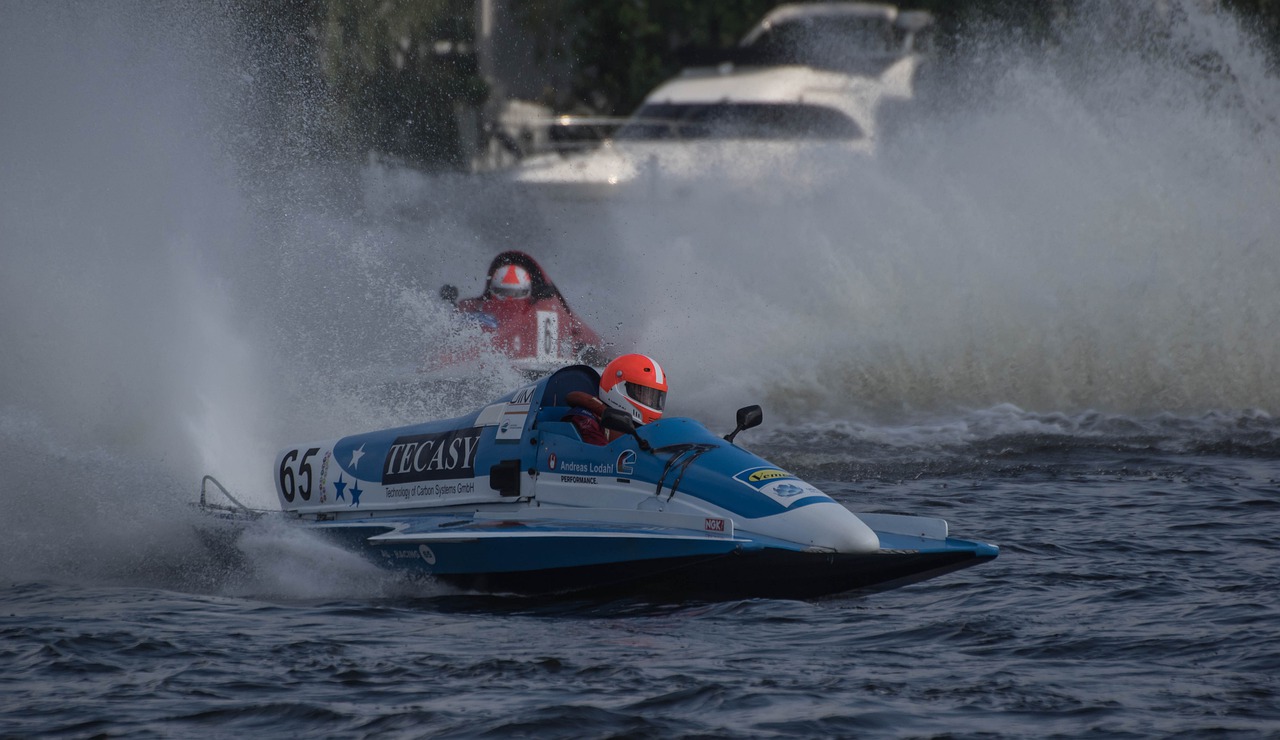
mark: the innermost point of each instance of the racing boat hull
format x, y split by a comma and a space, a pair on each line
710, 571
509, 499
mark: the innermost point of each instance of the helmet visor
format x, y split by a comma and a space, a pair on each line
651, 397
511, 291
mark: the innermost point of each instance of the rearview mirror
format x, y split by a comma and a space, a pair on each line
748, 416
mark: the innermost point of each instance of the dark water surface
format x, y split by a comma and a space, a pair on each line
1135, 595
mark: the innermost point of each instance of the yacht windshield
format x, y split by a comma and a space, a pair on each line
738, 121
826, 39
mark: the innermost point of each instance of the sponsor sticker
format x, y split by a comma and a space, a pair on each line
626, 462
790, 491
551, 461
578, 479
589, 468
436, 490
423, 457
778, 485
713, 524
758, 478
511, 426
324, 476
490, 415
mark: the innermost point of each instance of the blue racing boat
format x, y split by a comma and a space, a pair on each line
509, 499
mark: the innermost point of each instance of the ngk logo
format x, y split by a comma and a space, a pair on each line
713, 525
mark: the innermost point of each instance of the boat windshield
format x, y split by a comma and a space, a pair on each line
785, 121
811, 39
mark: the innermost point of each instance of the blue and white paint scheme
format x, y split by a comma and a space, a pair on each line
510, 499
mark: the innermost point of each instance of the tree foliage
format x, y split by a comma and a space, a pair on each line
623, 49
400, 71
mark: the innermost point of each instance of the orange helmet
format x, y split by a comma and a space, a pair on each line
511, 281
635, 384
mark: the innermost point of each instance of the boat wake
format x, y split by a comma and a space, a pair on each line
1077, 224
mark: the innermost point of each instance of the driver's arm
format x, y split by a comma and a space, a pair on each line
586, 401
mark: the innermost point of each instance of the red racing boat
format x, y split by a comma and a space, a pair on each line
525, 318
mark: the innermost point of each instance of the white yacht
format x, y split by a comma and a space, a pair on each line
807, 83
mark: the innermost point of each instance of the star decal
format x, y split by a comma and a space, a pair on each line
355, 457
355, 494
339, 485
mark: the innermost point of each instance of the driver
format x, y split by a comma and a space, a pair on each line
526, 316
632, 383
